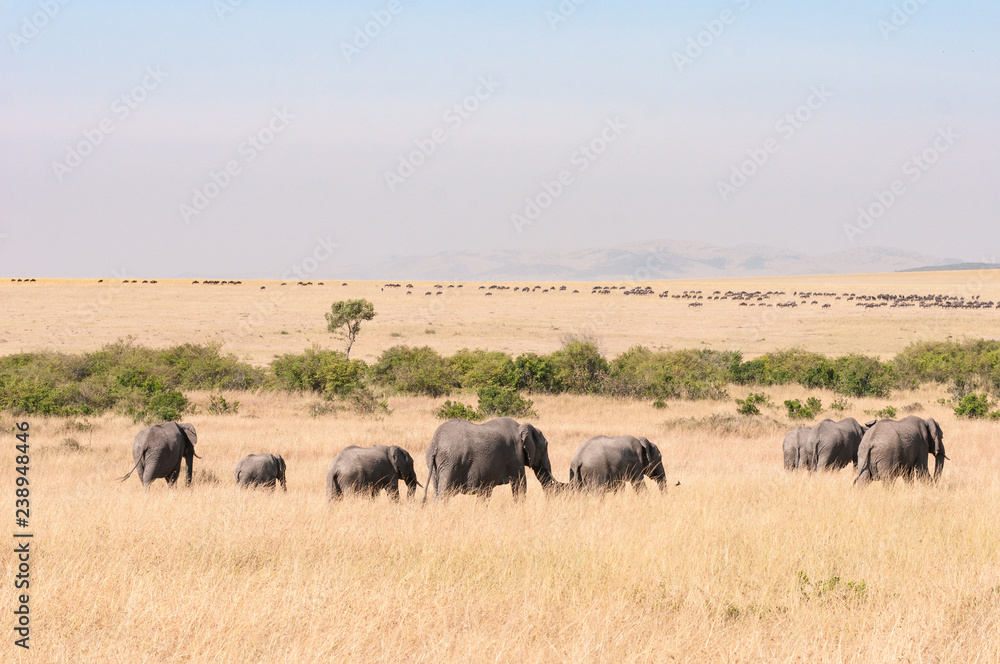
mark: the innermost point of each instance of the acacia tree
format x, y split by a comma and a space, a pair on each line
345, 318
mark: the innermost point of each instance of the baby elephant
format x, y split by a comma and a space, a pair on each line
368, 470
261, 470
606, 463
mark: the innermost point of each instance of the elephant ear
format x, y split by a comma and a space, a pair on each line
644, 459
936, 442
526, 443
281, 464
189, 432
396, 459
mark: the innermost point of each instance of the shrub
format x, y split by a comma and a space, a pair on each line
684, 374
973, 406
807, 411
328, 372
536, 373
455, 410
841, 404
479, 368
863, 376
217, 405
751, 405
889, 412
415, 371
579, 366
503, 402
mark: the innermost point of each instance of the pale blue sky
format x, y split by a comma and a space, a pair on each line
344, 122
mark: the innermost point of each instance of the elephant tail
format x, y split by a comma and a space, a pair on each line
867, 466
431, 476
334, 491
129, 473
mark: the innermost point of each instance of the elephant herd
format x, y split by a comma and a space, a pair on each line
879, 449
463, 458
467, 458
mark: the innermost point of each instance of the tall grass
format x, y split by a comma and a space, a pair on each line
741, 562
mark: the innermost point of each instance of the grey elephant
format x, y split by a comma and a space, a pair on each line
608, 463
266, 470
159, 449
796, 450
833, 445
368, 470
900, 448
474, 458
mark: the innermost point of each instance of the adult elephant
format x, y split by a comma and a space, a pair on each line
608, 463
368, 470
894, 448
833, 445
796, 450
266, 470
159, 449
474, 458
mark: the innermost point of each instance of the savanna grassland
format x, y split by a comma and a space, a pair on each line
740, 561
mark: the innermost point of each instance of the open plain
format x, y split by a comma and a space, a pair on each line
738, 561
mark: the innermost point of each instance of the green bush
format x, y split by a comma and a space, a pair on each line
217, 405
889, 412
807, 411
751, 405
684, 374
864, 376
497, 401
973, 406
415, 371
328, 372
536, 373
479, 368
455, 410
579, 366
793, 365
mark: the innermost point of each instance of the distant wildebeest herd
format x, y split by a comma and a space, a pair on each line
694, 297
468, 458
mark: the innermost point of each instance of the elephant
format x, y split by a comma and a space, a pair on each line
368, 470
159, 449
833, 445
795, 449
474, 458
894, 448
267, 470
605, 462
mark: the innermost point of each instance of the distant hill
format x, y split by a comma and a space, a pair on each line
661, 259
955, 266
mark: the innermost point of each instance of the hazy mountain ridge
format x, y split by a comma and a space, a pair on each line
661, 259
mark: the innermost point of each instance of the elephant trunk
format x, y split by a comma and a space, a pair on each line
549, 483
939, 458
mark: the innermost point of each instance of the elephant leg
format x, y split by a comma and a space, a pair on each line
392, 490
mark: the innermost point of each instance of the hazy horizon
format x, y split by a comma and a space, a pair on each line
233, 137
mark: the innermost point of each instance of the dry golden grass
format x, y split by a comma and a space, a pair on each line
741, 562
